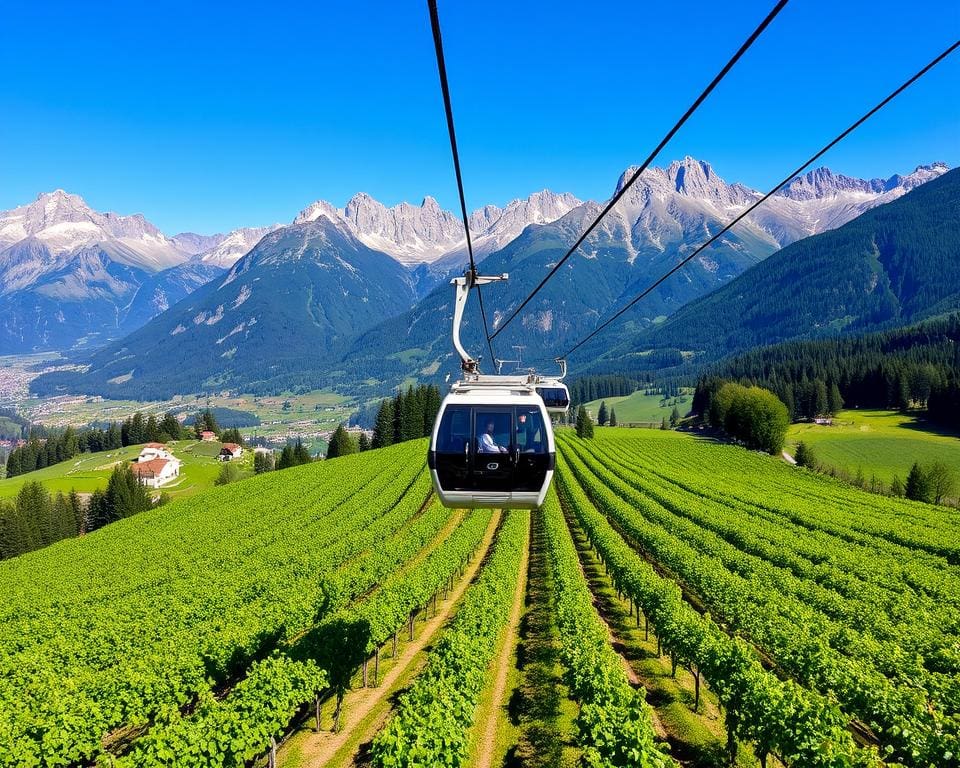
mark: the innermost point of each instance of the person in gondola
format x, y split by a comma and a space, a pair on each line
487, 442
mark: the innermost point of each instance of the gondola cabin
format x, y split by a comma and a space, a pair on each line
492, 445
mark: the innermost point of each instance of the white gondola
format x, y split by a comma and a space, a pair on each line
492, 443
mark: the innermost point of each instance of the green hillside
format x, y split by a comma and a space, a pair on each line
641, 408
195, 633
88, 471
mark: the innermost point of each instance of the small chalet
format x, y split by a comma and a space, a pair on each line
207, 436
154, 473
230, 451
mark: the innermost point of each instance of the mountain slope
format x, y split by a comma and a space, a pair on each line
72, 276
276, 316
893, 265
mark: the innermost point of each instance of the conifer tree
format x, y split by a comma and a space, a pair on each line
613, 417
602, 414
383, 429
918, 485
584, 423
398, 407
301, 454
363, 444
674, 417
286, 459
804, 456
341, 444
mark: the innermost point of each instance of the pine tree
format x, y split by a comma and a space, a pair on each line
341, 444
918, 485
663, 423
584, 423
114, 437
10, 545
804, 456
820, 399
35, 510
613, 417
152, 430
602, 414
286, 459
301, 455
79, 513
138, 429
125, 495
412, 417
834, 400
98, 515
399, 404
364, 442
170, 427
383, 429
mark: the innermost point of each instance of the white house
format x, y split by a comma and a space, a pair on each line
230, 451
156, 472
154, 451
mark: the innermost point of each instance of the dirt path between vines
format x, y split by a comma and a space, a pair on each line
319, 749
487, 729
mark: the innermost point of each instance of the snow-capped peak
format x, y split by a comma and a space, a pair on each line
425, 233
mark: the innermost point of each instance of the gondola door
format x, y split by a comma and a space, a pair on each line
494, 449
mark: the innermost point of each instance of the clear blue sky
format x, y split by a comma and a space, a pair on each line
208, 116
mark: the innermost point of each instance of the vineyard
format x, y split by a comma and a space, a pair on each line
675, 601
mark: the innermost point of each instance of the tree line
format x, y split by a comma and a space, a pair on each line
915, 367
407, 416
36, 519
585, 389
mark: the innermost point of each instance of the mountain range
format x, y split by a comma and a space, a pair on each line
665, 214
893, 265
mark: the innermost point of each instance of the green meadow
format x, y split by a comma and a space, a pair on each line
882, 443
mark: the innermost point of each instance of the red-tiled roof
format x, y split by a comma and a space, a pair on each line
150, 468
155, 445
232, 447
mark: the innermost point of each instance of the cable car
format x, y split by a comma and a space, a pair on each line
492, 443
553, 391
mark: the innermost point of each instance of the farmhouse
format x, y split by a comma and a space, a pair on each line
154, 451
230, 451
207, 436
156, 472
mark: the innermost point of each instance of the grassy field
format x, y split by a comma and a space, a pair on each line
640, 407
882, 443
89, 471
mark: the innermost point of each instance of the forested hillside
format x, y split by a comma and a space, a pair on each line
918, 366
